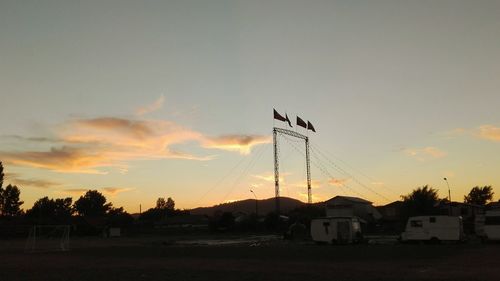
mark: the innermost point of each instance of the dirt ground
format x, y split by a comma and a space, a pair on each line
160, 258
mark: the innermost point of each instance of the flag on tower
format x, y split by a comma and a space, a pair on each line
301, 123
278, 116
288, 120
310, 126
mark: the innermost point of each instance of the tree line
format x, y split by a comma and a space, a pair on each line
423, 200
420, 201
92, 204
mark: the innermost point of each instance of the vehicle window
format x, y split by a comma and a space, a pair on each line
432, 219
416, 223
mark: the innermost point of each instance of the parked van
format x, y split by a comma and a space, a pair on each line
492, 225
341, 230
433, 229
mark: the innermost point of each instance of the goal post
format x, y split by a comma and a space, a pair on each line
48, 238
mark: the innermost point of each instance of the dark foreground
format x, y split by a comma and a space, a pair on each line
159, 259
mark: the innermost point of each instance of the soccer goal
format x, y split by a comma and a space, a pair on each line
46, 238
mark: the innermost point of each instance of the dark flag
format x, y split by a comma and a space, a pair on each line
288, 120
278, 116
301, 123
310, 126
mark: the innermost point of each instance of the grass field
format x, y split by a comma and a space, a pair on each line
249, 258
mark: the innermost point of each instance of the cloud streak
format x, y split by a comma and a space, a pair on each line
115, 190
489, 132
337, 182
426, 153
156, 105
240, 143
93, 144
33, 182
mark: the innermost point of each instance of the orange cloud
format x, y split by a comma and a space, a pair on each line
115, 190
33, 182
425, 153
241, 143
337, 181
75, 191
64, 159
269, 177
89, 145
157, 104
489, 132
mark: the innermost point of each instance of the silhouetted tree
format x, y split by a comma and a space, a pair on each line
92, 204
119, 217
46, 208
1, 187
421, 201
479, 195
164, 208
161, 203
169, 204
1, 175
10, 201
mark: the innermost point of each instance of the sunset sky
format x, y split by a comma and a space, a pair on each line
148, 99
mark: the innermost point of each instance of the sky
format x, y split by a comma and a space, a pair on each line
148, 99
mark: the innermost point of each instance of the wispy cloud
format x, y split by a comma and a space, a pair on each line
489, 132
31, 139
426, 153
115, 190
269, 177
15, 179
63, 159
241, 143
90, 145
337, 181
486, 132
75, 191
156, 105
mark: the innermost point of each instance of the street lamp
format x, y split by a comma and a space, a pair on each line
449, 193
256, 202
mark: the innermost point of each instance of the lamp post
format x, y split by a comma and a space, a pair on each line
256, 204
449, 193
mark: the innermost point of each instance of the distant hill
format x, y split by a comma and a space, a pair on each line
248, 206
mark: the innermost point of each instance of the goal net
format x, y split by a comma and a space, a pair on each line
43, 238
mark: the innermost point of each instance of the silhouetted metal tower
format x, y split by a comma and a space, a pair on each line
277, 131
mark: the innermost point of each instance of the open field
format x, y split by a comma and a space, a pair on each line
247, 258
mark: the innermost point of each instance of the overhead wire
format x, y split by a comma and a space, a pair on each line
353, 168
326, 172
342, 171
245, 171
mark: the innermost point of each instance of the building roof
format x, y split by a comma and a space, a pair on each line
349, 198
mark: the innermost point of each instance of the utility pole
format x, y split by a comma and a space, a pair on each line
256, 204
449, 194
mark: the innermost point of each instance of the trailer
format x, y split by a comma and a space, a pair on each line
433, 229
336, 230
491, 228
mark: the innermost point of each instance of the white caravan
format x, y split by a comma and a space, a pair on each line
492, 225
433, 229
342, 230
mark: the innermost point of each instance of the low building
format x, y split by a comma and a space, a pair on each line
340, 206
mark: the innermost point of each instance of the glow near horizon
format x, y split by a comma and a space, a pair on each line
162, 99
